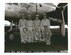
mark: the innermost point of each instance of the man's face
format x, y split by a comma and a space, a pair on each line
22, 16
46, 28
29, 17
24, 30
45, 16
37, 17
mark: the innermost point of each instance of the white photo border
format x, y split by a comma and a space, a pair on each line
2, 17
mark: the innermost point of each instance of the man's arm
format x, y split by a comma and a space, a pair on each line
55, 20
19, 25
49, 24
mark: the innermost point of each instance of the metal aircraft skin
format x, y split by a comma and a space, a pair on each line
13, 11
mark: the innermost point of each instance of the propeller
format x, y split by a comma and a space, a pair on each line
62, 26
60, 7
59, 13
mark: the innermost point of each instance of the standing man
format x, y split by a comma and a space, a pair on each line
45, 26
37, 24
22, 25
30, 27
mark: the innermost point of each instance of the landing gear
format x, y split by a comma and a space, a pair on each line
11, 36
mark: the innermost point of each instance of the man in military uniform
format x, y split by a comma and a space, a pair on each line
30, 27
47, 35
45, 24
37, 24
22, 25
25, 34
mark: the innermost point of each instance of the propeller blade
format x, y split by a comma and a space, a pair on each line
63, 5
63, 29
63, 25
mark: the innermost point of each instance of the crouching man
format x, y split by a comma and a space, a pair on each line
47, 35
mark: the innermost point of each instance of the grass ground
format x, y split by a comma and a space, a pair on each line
58, 43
